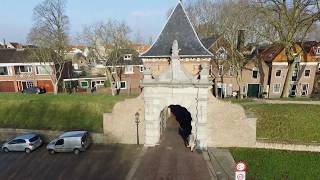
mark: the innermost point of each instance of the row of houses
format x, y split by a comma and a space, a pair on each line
264, 76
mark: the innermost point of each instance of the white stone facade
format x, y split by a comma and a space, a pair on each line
158, 98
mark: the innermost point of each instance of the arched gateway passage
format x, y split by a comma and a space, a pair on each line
177, 120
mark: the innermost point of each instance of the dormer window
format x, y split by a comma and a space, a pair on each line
221, 54
318, 51
255, 73
127, 57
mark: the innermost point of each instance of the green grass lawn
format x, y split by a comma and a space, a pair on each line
61, 112
280, 165
293, 123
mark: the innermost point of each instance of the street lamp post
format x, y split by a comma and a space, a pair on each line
137, 121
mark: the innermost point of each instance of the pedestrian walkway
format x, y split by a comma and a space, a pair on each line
171, 160
291, 102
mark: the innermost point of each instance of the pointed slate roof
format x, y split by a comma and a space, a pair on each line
178, 28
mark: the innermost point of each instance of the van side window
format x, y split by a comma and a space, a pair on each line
60, 142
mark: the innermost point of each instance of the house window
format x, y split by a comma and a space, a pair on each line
254, 73
4, 71
127, 57
84, 84
99, 83
293, 90
220, 70
307, 73
128, 69
29, 84
318, 50
278, 73
276, 88
295, 75
123, 84
120, 85
23, 69
141, 68
231, 71
44, 70
304, 89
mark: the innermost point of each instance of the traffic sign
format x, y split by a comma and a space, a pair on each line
241, 168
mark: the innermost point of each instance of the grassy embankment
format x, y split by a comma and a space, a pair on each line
292, 123
61, 112
275, 164
289, 123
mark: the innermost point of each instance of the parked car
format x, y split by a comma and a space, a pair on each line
26, 142
73, 141
34, 90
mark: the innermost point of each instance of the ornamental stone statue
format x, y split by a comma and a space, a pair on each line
175, 49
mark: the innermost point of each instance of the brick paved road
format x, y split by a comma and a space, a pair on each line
171, 160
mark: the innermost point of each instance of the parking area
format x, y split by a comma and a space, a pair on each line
98, 162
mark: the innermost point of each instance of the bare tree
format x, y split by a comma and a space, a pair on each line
232, 20
204, 14
289, 22
50, 33
106, 40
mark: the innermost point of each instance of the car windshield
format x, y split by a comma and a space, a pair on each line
84, 137
35, 138
53, 141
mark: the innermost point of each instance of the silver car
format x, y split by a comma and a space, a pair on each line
26, 142
73, 141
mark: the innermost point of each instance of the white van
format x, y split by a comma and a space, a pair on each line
73, 141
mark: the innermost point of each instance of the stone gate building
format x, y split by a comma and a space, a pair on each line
177, 73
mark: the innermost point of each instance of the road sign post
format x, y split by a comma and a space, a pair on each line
241, 169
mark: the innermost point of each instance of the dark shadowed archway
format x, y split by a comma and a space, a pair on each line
178, 120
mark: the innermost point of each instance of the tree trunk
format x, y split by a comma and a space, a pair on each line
110, 79
239, 82
286, 87
55, 88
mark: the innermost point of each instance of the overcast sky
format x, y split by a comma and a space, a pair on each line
146, 16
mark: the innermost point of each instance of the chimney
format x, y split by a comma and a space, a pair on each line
241, 39
4, 43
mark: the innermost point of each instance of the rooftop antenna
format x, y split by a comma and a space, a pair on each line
4, 43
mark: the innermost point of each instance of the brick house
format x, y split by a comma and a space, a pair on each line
306, 67
254, 74
127, 72
17, 74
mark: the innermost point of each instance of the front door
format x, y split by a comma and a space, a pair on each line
24, 85
293, 90
93, 84
253, 90
221, 90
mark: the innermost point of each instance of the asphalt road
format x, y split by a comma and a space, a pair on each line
98, 162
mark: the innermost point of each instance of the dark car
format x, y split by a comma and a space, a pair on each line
34, 90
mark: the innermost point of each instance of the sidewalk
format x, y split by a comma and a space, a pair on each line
291, 102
